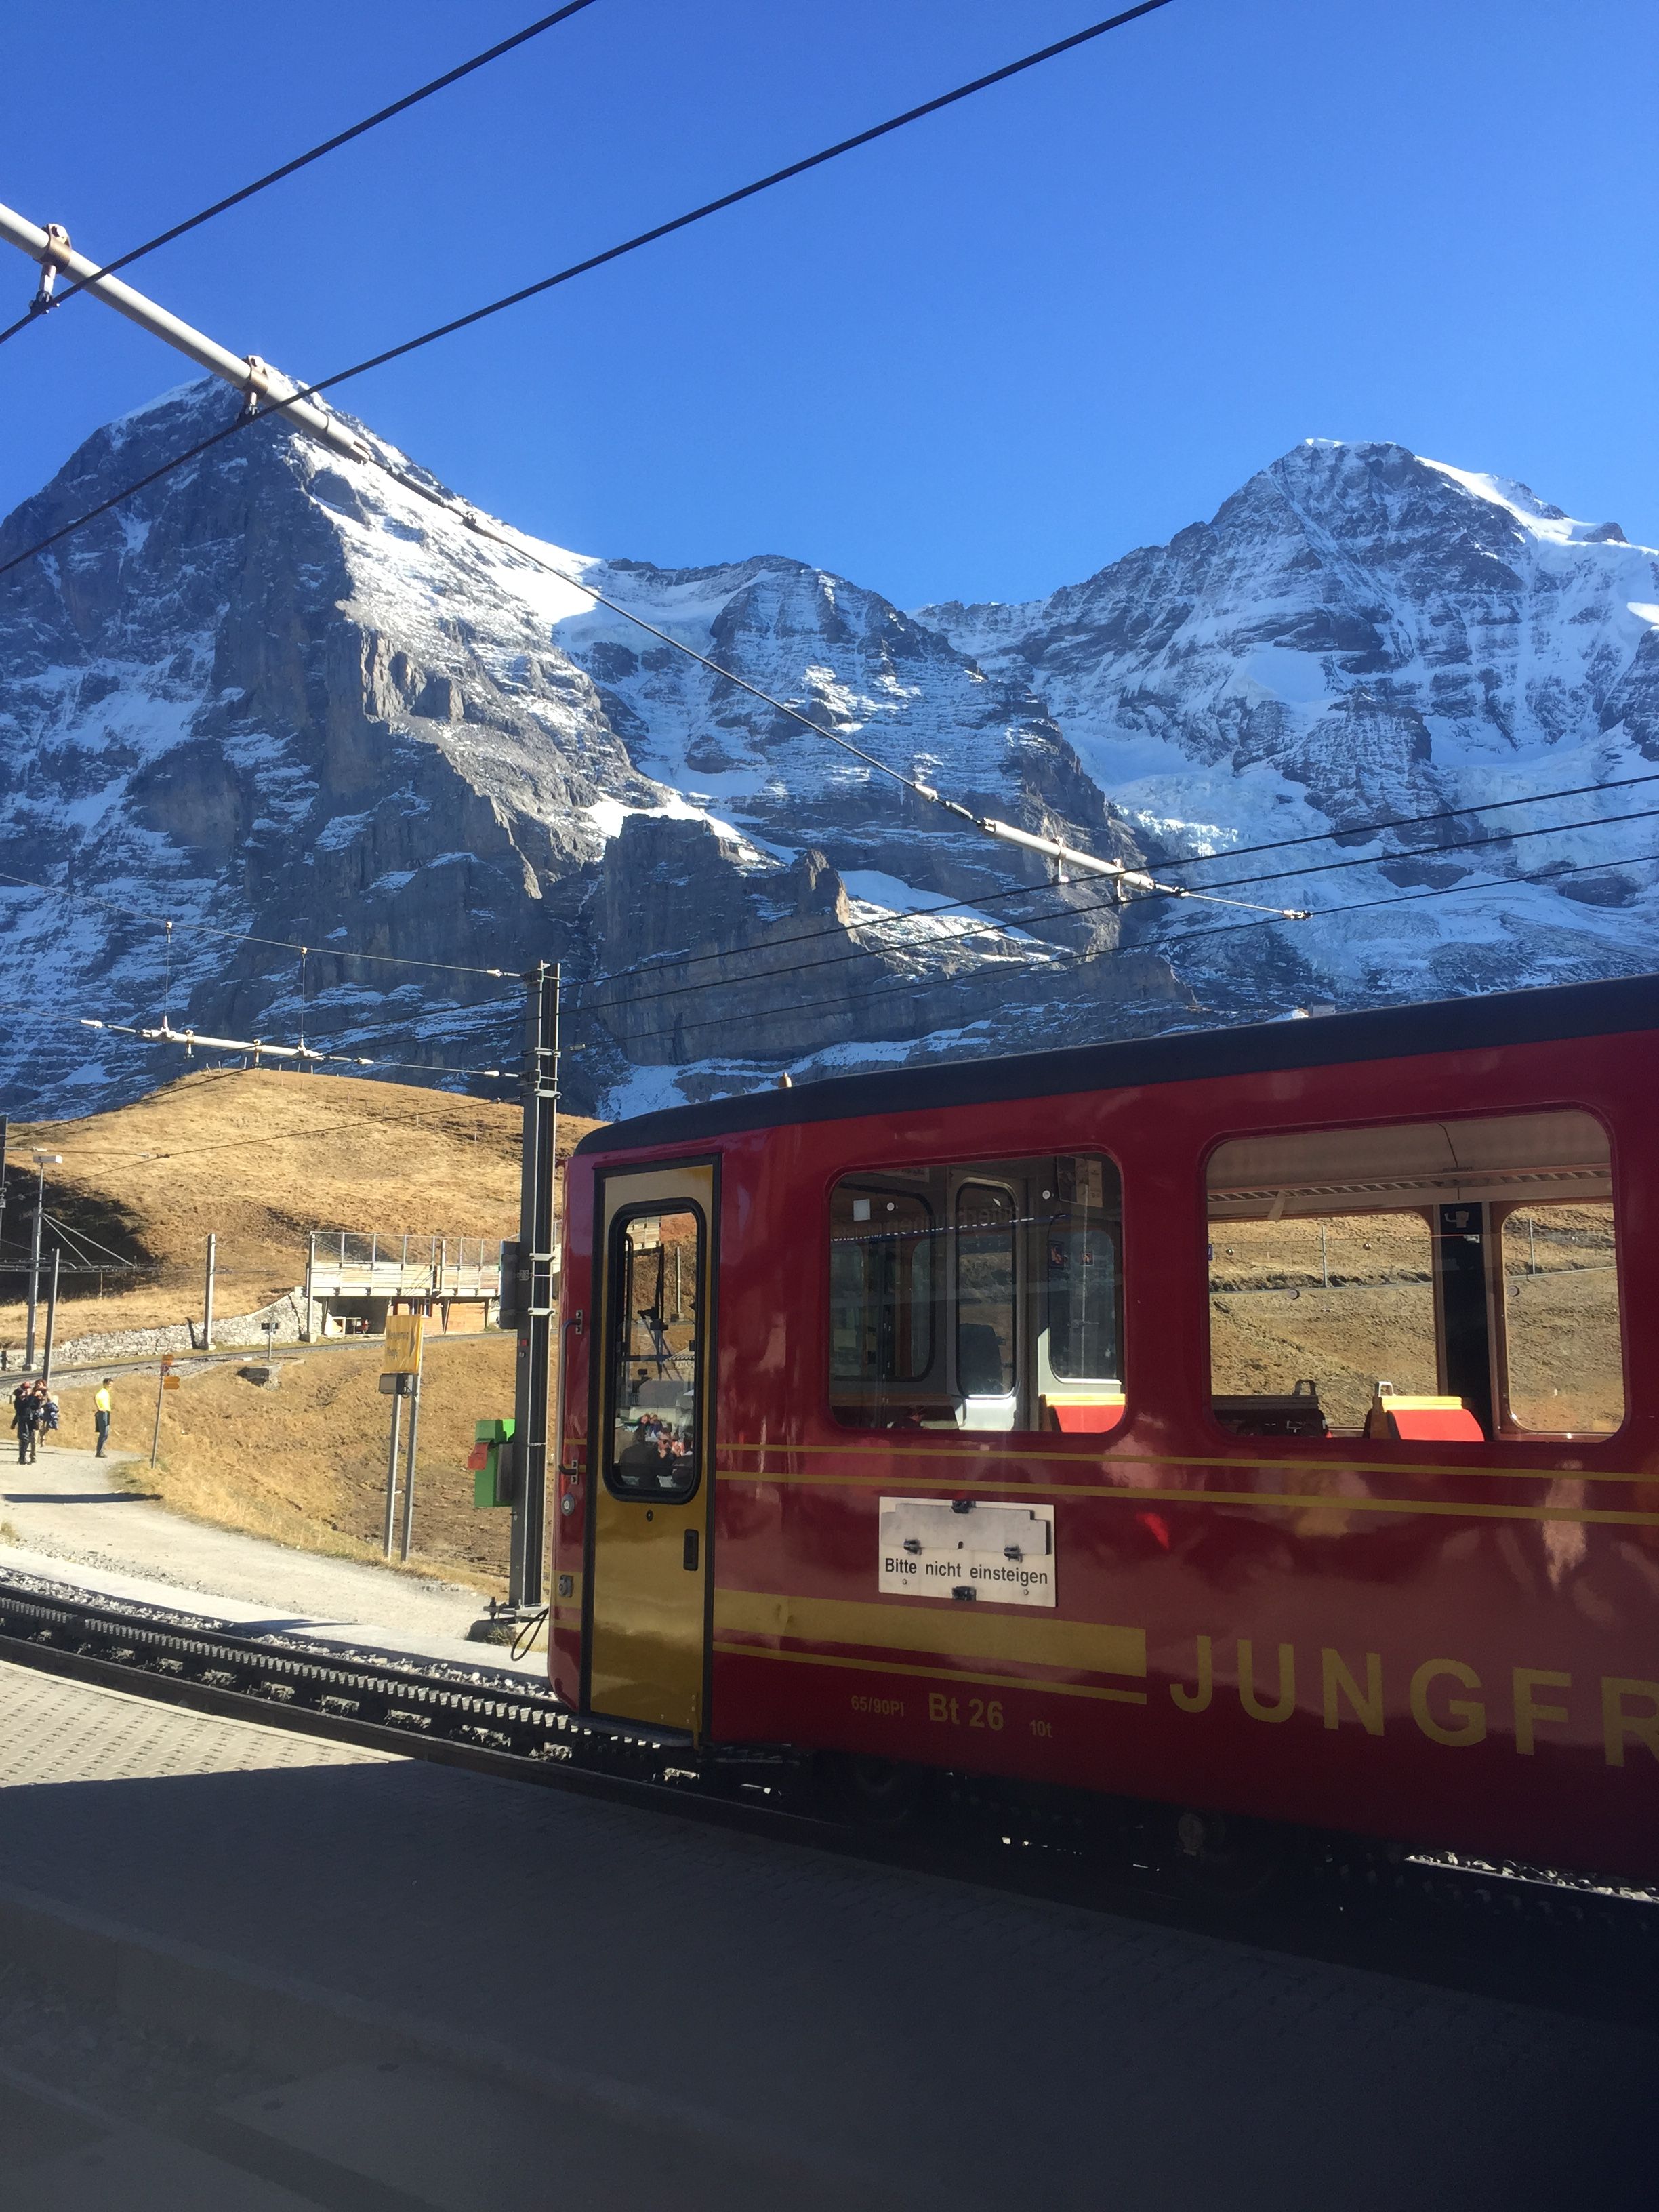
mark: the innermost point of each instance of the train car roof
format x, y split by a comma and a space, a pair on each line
1560, 1013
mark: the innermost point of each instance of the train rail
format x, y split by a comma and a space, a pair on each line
1527, 1934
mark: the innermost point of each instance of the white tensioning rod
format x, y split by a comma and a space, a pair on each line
255, 378
259, 382
262, 1047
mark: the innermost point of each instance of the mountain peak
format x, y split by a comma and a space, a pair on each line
276, 693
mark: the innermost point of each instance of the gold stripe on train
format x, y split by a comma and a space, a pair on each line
1085, 1647
1282, 1500
953, 1675
994, 1454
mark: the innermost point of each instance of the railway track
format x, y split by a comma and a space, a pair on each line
1525, 1934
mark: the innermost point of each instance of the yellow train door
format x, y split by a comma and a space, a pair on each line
653, 1465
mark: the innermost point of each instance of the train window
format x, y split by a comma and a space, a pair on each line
982, 1296
1441, 1281
988, 1290
1080, 1270
1560, 1302
656, 1271
881, 1287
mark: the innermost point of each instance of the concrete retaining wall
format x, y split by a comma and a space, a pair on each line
236, 1331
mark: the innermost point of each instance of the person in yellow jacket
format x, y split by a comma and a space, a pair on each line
102, 1404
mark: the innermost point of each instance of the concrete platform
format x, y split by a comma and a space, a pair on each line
473, 1982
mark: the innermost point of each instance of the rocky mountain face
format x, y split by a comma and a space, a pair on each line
1362, 635
277, 697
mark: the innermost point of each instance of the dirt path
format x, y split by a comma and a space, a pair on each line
71, 1517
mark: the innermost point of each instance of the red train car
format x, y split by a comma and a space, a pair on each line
1262, 1421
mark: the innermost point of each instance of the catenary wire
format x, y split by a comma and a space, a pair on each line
134, 1030
425, 491
1063, 962
868, 759
750, 191
1405, 821
241, 936
302, 160
972, 902
1093, 906
594, 261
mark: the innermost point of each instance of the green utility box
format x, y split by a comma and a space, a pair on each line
490, 1463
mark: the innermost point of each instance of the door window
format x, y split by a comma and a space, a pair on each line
656, 1276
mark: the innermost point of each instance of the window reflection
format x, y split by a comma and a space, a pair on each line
653, 1380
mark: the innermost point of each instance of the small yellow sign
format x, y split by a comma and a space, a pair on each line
171, 1382
402, 1344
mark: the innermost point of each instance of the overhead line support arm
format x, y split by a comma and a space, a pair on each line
254, 379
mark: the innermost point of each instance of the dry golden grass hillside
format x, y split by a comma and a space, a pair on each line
261, 1157
305, 1463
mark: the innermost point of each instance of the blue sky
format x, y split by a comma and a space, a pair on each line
978, 360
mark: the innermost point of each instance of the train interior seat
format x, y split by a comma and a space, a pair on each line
1416, 1419
1292, 1413
1081, 1413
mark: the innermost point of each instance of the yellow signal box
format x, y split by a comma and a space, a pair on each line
402, 1344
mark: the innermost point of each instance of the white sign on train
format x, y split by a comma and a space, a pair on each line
965, 1552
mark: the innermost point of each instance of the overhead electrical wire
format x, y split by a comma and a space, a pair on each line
972, 902
470, 516
307, 1055
1024, 922
39, 311
1066, 962
594, 261
1136, 879
242, 936
749, 192
154, 1035
1006, 832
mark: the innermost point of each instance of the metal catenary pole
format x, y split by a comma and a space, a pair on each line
42, 1162
155, 1433
207, 1292
527, 1563
392, 1469
52, 1316
34, 1283
406, 1535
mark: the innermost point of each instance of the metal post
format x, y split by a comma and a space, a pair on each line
34, 1274
52, 1318
391, 1464
408, 1531
1324, 1261
526, 1572
207, 1294
155, 1433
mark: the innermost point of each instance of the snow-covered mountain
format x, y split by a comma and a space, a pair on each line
276, 694
1361, 634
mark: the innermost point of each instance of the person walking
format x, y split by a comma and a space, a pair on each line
102, 1405
25, 1413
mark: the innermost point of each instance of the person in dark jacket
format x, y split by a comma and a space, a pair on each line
25, 1419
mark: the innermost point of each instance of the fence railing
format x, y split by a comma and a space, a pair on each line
339, 1263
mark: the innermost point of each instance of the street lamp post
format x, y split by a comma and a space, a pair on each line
42, 1162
